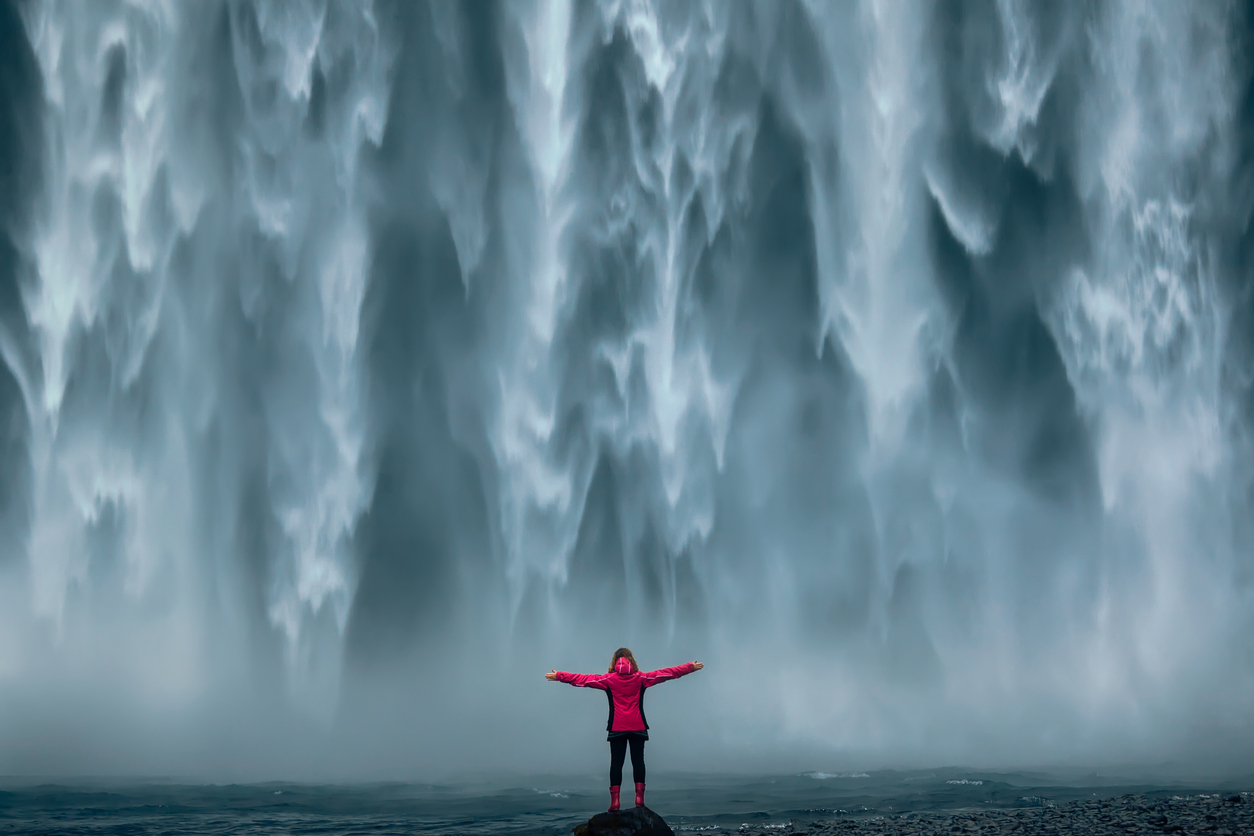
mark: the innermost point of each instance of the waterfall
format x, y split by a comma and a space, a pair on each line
364, 360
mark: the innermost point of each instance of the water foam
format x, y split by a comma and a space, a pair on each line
785, 335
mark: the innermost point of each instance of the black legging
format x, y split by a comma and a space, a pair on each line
618, 750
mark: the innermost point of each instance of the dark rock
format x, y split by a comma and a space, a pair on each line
633, 821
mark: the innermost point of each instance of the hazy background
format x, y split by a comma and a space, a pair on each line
363, 361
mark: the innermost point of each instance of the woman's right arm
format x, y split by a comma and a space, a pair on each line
656, 677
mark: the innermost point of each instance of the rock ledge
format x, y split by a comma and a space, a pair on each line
632, 821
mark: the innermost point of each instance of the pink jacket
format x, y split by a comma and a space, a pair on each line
625, 690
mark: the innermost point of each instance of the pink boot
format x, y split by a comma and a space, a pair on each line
639, 795
613, 799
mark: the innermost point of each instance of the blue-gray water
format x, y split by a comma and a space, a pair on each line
362, 361
551, 805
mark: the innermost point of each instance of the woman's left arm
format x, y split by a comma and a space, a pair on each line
579, 680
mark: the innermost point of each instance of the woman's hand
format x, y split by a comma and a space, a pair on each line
696, 666
551, 676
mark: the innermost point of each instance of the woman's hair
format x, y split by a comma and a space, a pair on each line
620, 653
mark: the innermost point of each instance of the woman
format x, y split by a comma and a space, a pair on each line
624, 686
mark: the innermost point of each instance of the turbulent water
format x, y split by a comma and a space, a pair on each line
714, 804
364, 360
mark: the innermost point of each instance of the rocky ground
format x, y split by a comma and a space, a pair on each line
1219, 814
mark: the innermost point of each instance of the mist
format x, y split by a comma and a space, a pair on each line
362, 361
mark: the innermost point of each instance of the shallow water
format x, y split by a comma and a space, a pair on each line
552, 805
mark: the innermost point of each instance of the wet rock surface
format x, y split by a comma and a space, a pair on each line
1225, 814
632, 821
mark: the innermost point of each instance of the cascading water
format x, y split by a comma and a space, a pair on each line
364, 360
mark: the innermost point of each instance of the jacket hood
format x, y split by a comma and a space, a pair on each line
623, 666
